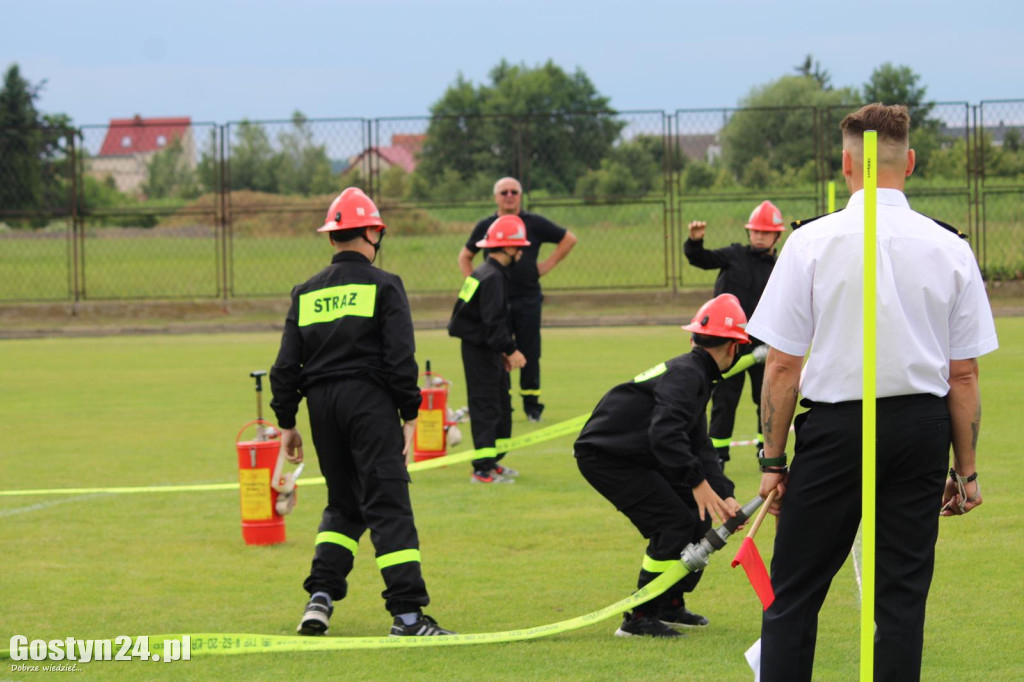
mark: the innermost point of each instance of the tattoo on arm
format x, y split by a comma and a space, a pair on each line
976, 428
768, 415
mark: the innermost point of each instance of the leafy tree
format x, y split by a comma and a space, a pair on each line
539, 123
251, 159
811, 68
699, 175
778, 123
33, 164
890, 84
170, 174
208, 168
103, 194
1012, 141
758, 174
613, 179
641, 160
302, 167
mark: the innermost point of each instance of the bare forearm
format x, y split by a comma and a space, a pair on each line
964, 401
466, 262
779, 394
562, 250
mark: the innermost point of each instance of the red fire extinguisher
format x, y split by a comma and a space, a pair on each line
437, 426
267, 494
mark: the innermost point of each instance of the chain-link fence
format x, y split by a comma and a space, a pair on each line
170, 208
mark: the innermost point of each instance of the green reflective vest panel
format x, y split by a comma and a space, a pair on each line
332, 303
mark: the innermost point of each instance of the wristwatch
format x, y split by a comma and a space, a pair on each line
772, 465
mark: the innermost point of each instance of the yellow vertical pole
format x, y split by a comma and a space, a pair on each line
867, 612
831, 196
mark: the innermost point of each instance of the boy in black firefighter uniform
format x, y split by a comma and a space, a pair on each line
348, 347
646, 449
481, 318
744, 270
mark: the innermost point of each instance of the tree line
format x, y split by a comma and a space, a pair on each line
554, 124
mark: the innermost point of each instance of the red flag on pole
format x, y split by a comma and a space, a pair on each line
757, 574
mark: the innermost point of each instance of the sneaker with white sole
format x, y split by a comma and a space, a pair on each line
489, 477
639, 625
505, 472
425, 626
317, 616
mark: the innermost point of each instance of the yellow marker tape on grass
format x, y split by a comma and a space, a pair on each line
565, 428
867, 605
230, 644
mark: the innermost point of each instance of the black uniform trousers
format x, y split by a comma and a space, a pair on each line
490, 405
665, 514
358, 440
725, 398
819, 519
526, 316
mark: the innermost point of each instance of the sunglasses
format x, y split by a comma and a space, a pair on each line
506, 192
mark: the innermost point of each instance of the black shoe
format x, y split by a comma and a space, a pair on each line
317, 616
424, 627
639, 625
681, 616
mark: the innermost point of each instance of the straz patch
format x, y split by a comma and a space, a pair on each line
332, 303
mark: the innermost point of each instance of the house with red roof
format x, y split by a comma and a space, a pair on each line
130, 143
403, 153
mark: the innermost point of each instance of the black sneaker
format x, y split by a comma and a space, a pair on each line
424, 627
317, 616
680, 615
639, 625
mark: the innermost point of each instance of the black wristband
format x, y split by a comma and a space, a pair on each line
953, 476
772, 465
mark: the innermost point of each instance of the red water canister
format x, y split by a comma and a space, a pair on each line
429, 441
261, 524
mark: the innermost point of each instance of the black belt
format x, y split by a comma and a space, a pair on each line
890, 400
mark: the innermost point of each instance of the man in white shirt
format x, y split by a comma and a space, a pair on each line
933, 321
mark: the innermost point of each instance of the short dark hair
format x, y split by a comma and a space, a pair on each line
707, 341
343, 236
890, 121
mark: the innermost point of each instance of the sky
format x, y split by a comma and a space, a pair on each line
219, 61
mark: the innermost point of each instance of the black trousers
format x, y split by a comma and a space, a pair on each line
819, 519
490, 404
665, 514
526, 316
725, 398
358, 440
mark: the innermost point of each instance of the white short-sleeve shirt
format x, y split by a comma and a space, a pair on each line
932, 305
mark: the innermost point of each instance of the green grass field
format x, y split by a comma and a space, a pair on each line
624, 246
160, 410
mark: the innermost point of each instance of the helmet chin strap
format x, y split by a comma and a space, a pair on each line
376, 244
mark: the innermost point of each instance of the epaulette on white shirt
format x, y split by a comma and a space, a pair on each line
797, 224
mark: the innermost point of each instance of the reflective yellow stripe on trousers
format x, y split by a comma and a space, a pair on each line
403, 556
654, 566
338, 539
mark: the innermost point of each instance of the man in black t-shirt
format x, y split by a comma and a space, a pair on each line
525, 295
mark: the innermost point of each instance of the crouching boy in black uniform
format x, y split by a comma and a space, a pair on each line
348, 347
646, 449
483, 320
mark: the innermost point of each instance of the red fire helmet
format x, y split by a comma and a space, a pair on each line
721, 316
350, 210
507, 230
